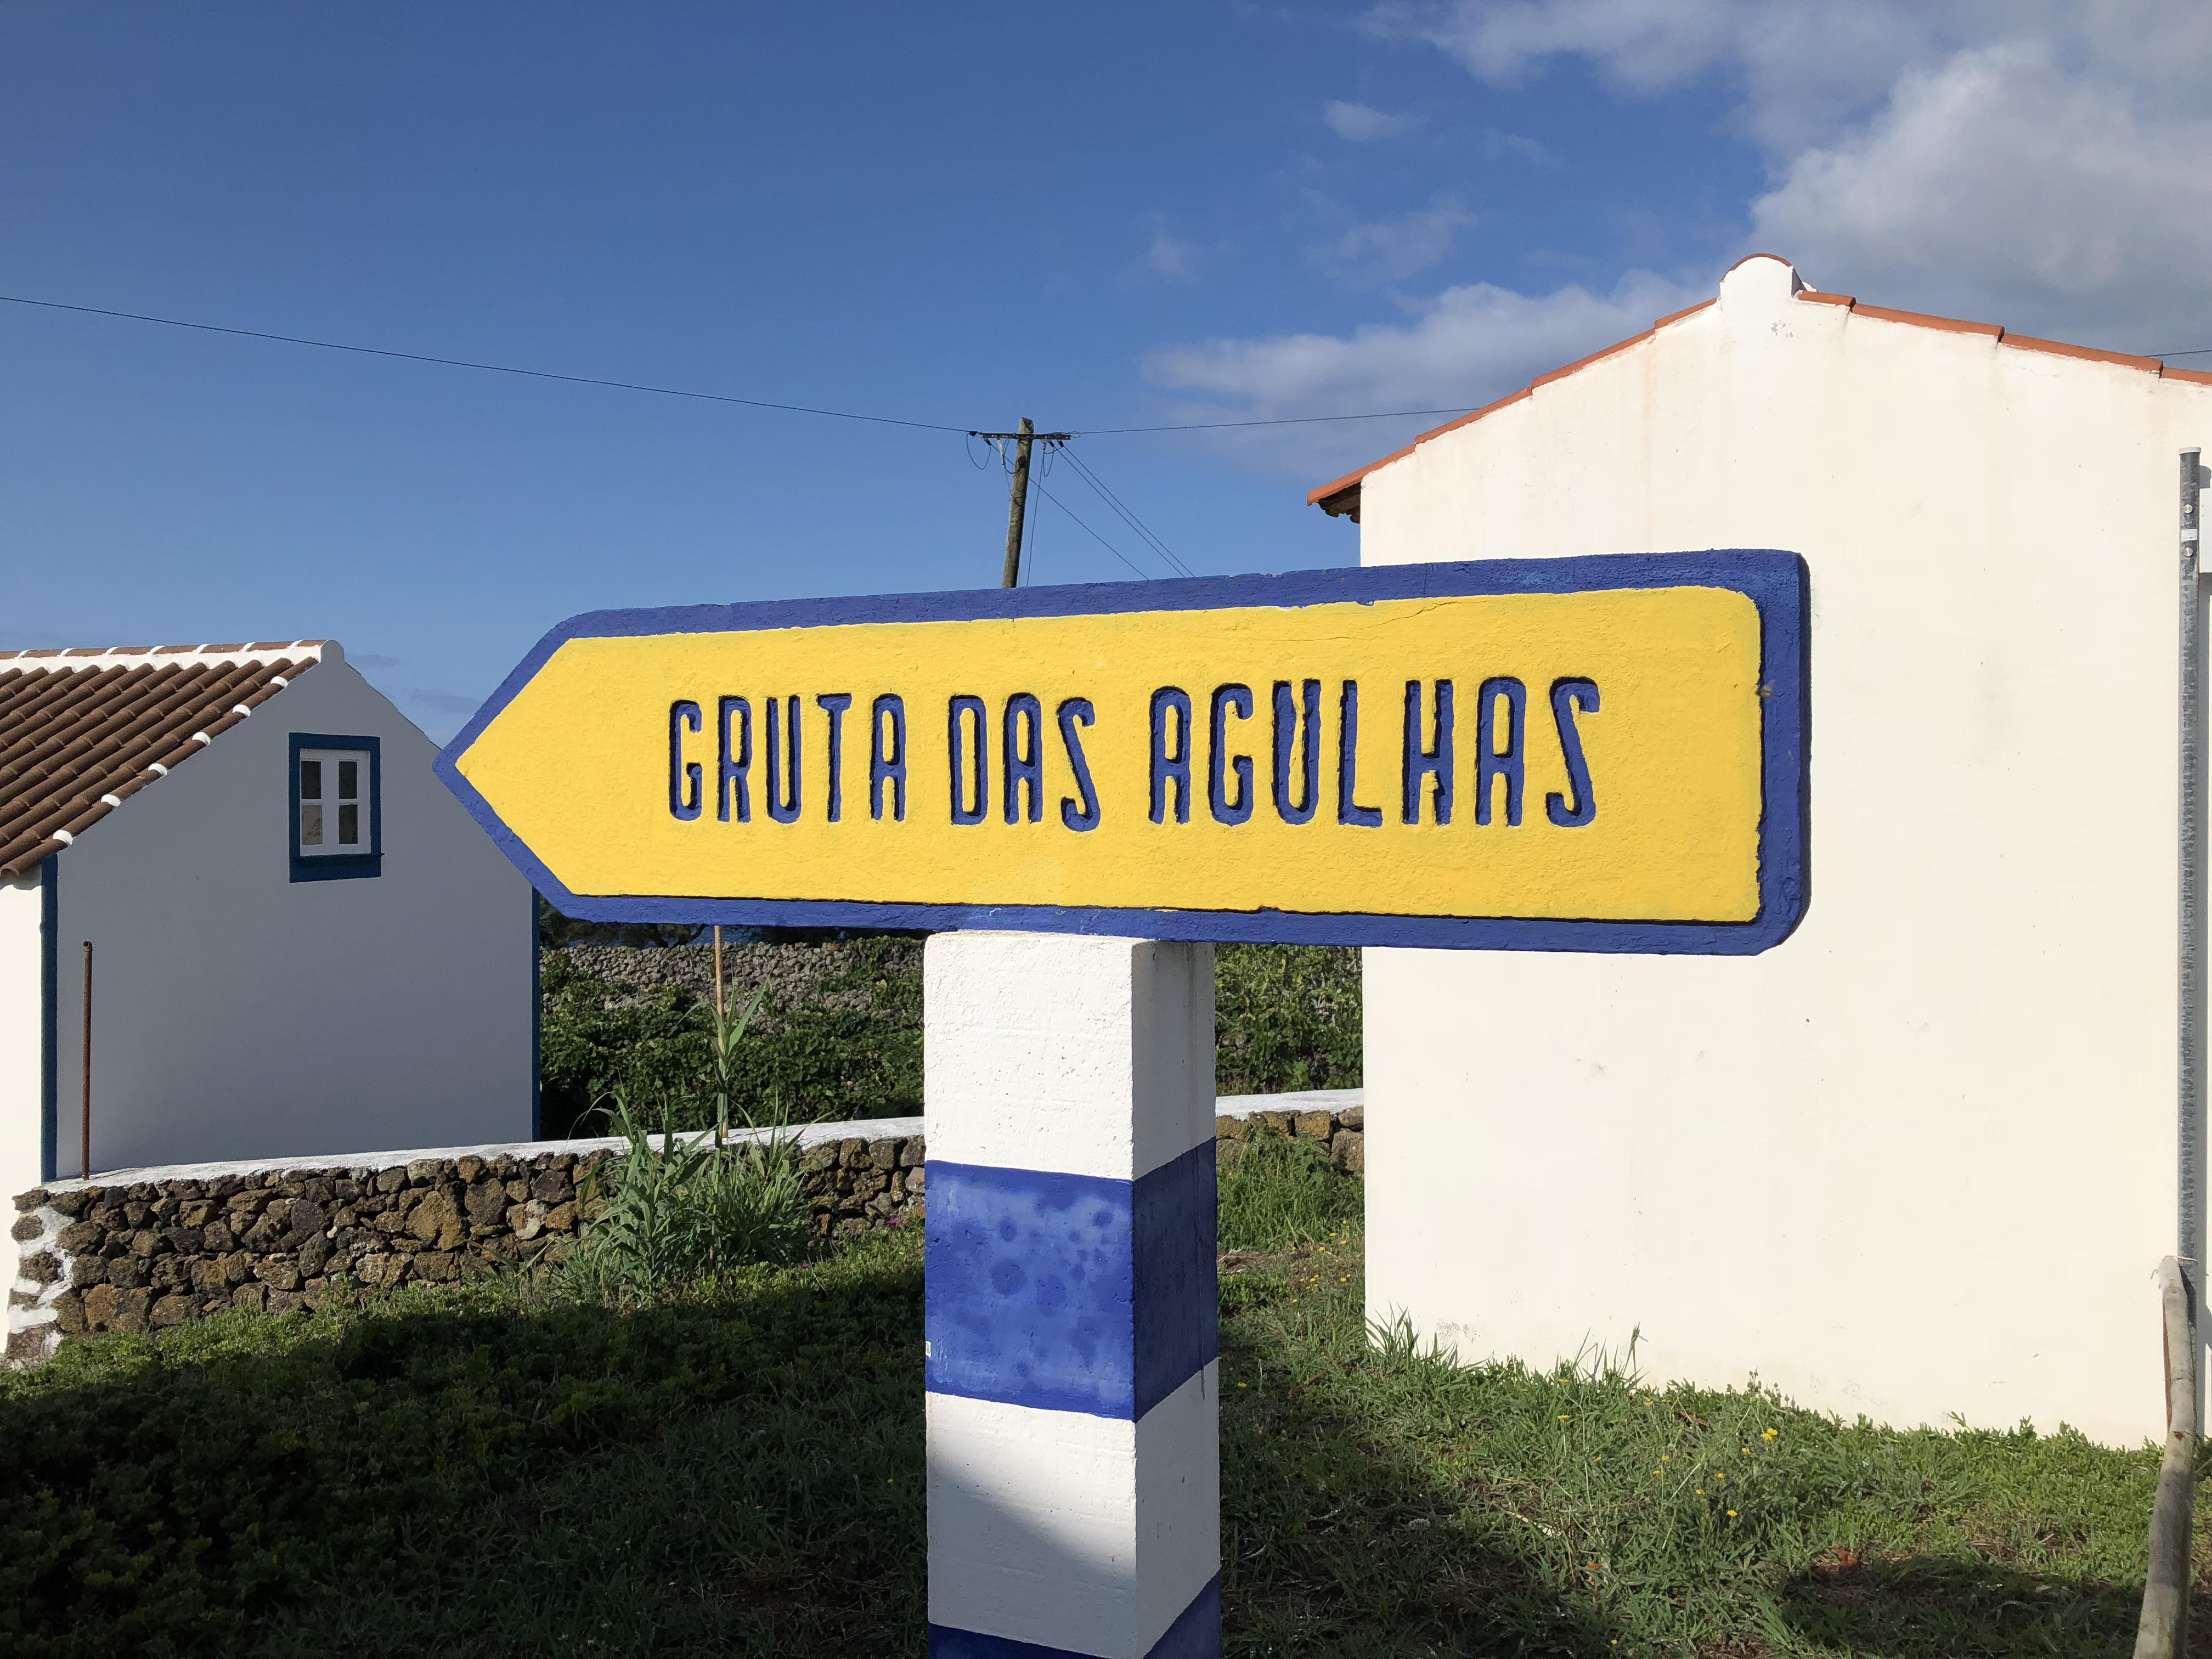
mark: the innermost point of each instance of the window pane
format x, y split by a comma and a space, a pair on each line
349, 826
311, 780
311, 823
348, 780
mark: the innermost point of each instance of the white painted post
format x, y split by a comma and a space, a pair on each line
1073, 1376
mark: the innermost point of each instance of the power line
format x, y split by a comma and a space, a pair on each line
1293, 419
1088, 531
1129, 517
666, 391
491, 369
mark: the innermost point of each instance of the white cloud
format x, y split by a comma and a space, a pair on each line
2027, 162
1465, 348
2036, 163
1360, 125
1172, 257
1389, 251
1999, 186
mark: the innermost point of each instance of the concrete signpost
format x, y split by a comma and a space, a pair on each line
1079, 790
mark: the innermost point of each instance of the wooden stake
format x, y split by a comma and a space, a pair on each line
720, 1010
84, 1141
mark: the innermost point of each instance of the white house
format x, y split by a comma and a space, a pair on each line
1921, 1158
299, 942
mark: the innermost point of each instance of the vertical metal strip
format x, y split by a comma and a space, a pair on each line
2190, 1147
50, 1016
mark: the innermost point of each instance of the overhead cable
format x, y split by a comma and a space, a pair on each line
1127, 516
667, 390
491, 368
1088, 531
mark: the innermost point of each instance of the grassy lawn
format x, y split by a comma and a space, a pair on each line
738, 1469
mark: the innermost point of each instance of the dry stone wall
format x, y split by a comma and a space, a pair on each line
164, 1247
1341, 1130
158, 1248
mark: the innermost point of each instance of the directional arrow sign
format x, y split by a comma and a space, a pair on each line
1595, 754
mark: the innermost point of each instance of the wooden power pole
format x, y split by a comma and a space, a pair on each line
1017, 506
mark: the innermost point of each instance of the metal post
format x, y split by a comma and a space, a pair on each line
2190, 1149
720, 1011
2163, 1630
1015, 510
84, 1141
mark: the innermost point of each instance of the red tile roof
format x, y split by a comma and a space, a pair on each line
1339, 497
81, 731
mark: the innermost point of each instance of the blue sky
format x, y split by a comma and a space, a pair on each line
1117, 216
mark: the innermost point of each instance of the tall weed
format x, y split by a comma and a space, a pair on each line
686, 1210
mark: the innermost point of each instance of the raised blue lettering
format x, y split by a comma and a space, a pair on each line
1171, 768
1434, 762
683, 776
1286, 738
1568, 695
1075, 712
887, 756
1493, 759
975, 752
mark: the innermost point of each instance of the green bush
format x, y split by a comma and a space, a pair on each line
808, 1064
1285, 1017
1277, 1192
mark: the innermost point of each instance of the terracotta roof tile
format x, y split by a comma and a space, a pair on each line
1315, 497
1584, 362
2090, 354
1350, 481
82, 730
1920, 319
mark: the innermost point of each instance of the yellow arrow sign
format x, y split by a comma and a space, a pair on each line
1592, 754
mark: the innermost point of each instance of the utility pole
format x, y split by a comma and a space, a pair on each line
1017, 507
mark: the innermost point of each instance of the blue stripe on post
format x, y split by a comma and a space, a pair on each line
1178, 1291
1072, 1293
1195, 1634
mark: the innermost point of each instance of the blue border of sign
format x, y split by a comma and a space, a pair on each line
1774, 582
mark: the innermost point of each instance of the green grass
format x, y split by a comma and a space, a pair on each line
487, 1471
1277, 1193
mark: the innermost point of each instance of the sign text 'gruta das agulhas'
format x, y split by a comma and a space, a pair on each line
1600, 754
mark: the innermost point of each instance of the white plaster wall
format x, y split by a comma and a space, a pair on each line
238, 1014
1920, 1158
20, 1006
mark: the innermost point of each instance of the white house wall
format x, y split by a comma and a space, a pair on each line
1920, 1158
238, 1014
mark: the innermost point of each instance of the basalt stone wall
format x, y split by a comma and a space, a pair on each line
1342, 1133
162, 1248
165, 1247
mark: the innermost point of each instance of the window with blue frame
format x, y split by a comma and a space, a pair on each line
337, 819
